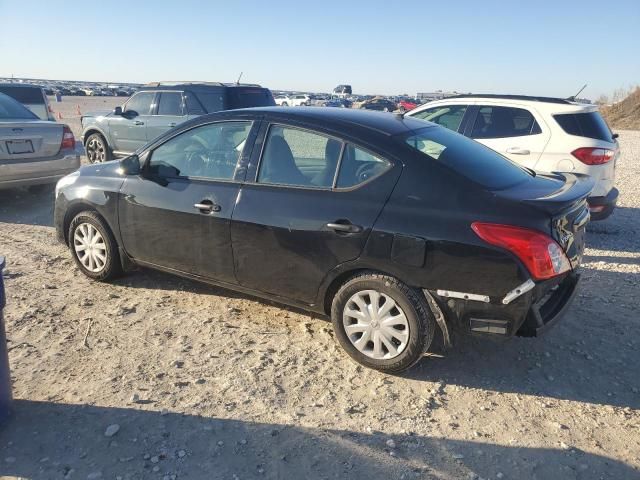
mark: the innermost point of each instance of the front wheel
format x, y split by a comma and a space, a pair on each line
93, 247
97, 149
381, 322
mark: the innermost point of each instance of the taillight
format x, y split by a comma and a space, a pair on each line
541, 254
593, 156
68, 141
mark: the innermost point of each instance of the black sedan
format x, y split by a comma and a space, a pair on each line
391, 226
380, 104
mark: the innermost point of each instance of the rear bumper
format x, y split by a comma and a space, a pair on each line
38, 171
529, 314
601, 207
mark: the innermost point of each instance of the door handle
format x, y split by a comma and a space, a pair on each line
172, 124
344, 227
138, 122
206, 206
518, 151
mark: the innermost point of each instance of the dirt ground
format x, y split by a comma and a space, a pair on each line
206, 383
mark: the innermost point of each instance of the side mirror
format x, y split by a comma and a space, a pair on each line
130, 165
117, 111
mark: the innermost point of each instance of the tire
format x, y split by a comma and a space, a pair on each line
95, 268
97, 149
409, 302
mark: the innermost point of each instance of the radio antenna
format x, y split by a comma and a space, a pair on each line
240, 76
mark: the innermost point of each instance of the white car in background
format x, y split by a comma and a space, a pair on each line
541, 133
297, 100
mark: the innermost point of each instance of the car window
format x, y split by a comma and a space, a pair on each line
28, 95
298, 157
588, 124
170, 103
193, 105
212, 101
358, 166
501, 122
11, 109
243, 97
449, 116
210, 151
140, 103
467, 157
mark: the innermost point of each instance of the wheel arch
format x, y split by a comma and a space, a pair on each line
74, 210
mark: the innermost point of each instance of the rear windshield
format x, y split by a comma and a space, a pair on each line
590, 125
467, 157
249, 97
28, 95
12, 110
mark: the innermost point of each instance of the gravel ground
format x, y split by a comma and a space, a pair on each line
206, 383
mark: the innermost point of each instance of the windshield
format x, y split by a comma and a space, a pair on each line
467, 157
12, 110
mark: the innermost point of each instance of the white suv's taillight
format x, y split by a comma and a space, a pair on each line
68, 140
594, 156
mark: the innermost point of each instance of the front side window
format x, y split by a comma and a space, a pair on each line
140, 103
170, 103
300, 158
209, 151
449, 116
501, 122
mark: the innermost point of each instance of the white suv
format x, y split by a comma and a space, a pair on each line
297, 100
546, 134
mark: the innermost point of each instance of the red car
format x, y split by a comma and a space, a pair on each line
407, 104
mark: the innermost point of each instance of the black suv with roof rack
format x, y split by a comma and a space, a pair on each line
159, 106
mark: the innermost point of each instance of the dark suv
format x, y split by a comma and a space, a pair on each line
158, 107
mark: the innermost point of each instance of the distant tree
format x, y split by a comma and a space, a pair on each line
602, 100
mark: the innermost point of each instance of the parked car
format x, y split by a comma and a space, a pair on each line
343, 90
158, 107
337, 102
381, 104
406, 104
33, 151
546, 134
388, 225
31, 96
297, 100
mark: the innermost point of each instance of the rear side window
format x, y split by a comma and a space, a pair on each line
467, 157
140, 103
212, 101
170, 103
241, 97
299, 158
501, 122
28, 95
449, 116
589, 124
358, 166
193, 105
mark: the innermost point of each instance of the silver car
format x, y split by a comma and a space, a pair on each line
33, 151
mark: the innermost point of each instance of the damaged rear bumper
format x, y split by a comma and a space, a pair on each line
528, 310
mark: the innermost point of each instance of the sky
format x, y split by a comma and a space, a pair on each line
382, 47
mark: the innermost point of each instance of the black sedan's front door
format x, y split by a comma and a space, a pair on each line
297, 219
176, 215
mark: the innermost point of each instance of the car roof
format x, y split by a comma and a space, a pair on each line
385, 123
20, 85
543, 104
197, 85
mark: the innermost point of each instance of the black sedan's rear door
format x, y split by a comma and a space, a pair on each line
295, 219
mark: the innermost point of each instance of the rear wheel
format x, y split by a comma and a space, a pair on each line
97, 149
381, 322
93, 247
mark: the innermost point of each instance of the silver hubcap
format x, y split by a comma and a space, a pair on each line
96, 151
375, 324
90, 247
